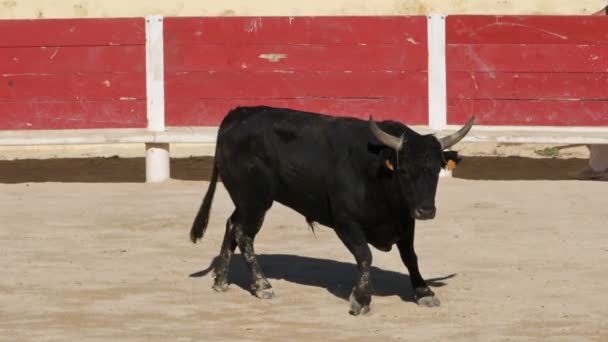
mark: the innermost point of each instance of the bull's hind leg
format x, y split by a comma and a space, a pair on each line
223, 261
245, 230
251, 188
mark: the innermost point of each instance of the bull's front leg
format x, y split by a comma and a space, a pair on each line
354, 239
422, 293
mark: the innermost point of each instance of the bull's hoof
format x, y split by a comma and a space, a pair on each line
357, 308
220, 287
426, 297
429, 301
264, 293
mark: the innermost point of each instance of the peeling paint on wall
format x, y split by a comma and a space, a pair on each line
273, 57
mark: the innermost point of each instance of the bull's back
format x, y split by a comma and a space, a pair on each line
296, 148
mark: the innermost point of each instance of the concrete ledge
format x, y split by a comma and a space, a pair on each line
207, 135
76, 136
499, 134
107, 136
158, 143
531, 135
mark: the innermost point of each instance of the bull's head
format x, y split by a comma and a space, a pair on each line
417, 164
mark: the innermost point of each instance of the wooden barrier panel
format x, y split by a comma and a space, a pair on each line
73, 73
528, 70
353, 66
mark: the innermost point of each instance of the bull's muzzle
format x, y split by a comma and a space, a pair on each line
424, 213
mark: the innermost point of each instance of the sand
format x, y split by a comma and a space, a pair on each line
90, 254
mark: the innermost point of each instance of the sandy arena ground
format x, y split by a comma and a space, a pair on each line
89, 254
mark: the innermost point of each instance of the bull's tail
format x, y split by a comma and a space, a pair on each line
202, 218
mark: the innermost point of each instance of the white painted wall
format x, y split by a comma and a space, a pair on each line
23, 9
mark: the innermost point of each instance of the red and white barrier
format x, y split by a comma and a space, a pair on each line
169, 80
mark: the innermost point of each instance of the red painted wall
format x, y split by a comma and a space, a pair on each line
344, 66
508, 70
73, 73
530, 70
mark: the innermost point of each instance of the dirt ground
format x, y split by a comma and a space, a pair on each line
126, 163
89, 253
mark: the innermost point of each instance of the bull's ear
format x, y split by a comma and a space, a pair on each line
451, 159
389, 165
387, 159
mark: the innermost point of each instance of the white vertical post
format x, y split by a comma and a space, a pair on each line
157, 155
437, 72
155, 73
597, 169
157, 163
438, 107
598, 158
598, 154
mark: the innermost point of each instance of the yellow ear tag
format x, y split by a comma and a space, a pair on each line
389, 165
451, 165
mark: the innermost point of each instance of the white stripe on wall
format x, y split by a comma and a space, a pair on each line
155, 73
437, 72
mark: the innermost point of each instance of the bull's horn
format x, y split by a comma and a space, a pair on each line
453, 139
385, 138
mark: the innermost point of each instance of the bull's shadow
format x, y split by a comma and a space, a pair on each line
335, 276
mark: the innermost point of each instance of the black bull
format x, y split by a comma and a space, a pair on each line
369, 182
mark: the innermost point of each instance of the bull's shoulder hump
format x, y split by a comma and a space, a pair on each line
300, 125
